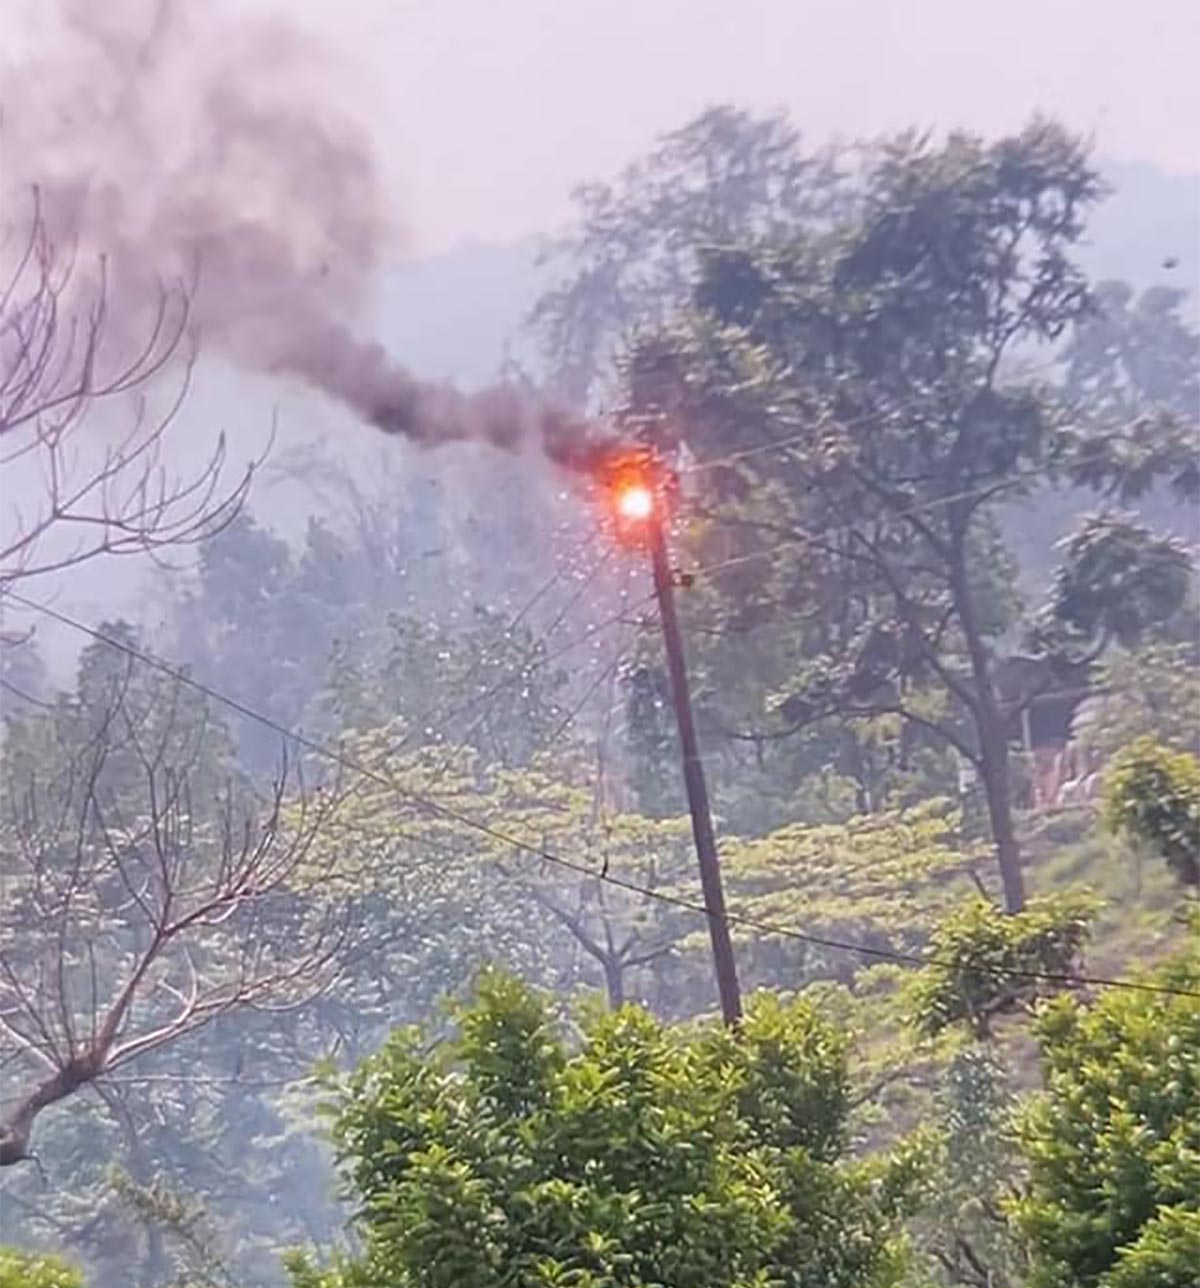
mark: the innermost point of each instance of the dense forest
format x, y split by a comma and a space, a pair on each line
352, 935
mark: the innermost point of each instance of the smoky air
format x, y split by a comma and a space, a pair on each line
183, 180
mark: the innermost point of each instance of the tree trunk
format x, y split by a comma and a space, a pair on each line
17, 1125
993, 739
993, 771
614, 982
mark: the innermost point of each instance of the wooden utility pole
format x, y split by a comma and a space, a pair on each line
693, 776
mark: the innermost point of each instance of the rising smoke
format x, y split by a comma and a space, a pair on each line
198, 145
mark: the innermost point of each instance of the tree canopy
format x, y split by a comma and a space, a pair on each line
1114, 1141
503, 1155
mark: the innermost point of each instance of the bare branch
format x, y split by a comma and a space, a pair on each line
62, 359
130, 922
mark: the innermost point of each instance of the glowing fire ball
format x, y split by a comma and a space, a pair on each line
635, 501
634, 488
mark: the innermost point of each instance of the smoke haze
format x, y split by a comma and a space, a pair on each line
205, 149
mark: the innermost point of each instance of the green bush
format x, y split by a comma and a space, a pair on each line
1152, 794
32, 1270
1113, 1143
1167, 1252
640, 1155
985, 961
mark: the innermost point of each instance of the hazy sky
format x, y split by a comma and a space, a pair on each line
485, 113
488, 111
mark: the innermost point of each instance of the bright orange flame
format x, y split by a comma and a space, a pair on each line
635, 502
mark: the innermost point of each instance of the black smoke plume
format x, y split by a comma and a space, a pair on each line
200, 145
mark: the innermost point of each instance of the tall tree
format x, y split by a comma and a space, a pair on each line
629, 262
634, 1155
865, 380
1152, 794
1113, 1143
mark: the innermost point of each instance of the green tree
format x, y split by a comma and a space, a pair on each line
451, 897
1152, 794
635, 1155
486, 683
630, 261
878, 880
986, 964
1118, 583
1132, 354
856, 401
1128, 361
972, 1170
1113, 1143
30, 1270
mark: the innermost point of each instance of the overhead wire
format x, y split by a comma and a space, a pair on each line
573, 714
597, 628
529, 664
542, 853
608, 672
488, 652
783, 444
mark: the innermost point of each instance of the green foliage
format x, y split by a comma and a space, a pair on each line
1113, 1143
1147, 692
971, 1166
451, 898
1118, 582
847, 353
1153, 794
1131, 372
850, 375
1131, 355
30, 1270
638, 1155
486, 685
1166, 1253
875, 347
358, 631
988, 962
881, 880
724, 176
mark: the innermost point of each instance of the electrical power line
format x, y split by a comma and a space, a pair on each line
529, 663
572, 865
487, 654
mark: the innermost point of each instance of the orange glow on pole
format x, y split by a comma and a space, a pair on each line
635, 501
635, 489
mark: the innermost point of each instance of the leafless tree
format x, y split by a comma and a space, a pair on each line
604, 933
71, 346
144, 896
622, 926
